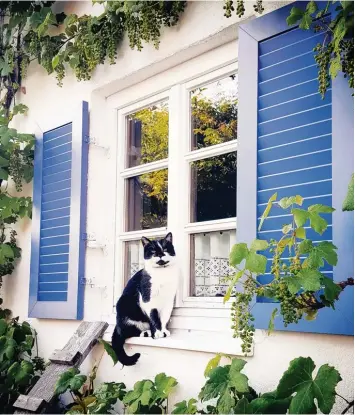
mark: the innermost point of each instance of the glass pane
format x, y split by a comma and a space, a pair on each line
147, 205
213, 188
134, 259
147, 134
214, 113
210, 262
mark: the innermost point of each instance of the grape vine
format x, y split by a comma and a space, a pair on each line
336, 51
296, 280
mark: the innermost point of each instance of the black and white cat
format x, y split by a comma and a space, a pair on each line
146, 303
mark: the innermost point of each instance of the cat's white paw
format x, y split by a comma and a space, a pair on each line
159, 334
146, 333
166, 333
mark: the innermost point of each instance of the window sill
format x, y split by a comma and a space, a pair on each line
193, 340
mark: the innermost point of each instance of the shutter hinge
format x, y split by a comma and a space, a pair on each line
93, 141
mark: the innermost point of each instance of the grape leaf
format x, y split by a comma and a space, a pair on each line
267, 210
238, 253
256, 263
185, 407
318, 224
259, 245
298, 380
300, 216
109, 350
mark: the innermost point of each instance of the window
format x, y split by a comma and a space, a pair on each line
178, 173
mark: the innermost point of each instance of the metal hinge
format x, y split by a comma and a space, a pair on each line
93, 141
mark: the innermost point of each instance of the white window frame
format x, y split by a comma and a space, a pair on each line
176, 85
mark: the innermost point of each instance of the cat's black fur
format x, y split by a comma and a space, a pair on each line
138, 289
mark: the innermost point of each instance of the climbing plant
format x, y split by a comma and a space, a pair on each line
296, 279
335, 51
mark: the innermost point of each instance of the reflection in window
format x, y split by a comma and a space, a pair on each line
210, 262
134, 258
147, 134
213, 189
147, 201
214, 113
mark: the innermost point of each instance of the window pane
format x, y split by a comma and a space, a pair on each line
213, 188
147, 201
210, 262
147, 134
214, 113
134, 259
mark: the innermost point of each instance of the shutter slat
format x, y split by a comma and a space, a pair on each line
55, 277
301, 104
58, 249
294, 92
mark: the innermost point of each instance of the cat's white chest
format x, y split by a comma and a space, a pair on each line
163, 289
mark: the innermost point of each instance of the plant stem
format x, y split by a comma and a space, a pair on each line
350, 405
342, 397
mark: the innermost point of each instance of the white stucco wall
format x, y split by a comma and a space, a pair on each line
48, 106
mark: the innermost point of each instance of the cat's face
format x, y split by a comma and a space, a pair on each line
159, 253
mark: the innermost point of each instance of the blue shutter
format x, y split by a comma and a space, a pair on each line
290, 142
59, 221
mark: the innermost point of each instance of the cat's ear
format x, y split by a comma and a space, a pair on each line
145, 241
169, 237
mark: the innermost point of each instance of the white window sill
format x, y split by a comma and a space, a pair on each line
193, 340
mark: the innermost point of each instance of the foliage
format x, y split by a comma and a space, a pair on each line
297, 282
34, 32
348, 204
16, 162
86, 399
19, 368
229, 7
227, 391
336, 52
148, 397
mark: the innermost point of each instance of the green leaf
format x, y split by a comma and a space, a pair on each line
55, 61
216, 384
109, 350
259, 245
271, 325
185, 408
20, 109
306, 22
71, 379
300, 233
225, 403
324, 387
335, 66
305, 246
300, 216
348, 204
164, 385
238, 380
318, 208
298, 380
331, 290
310, 280
3, 174
295, 15
3, 327
318, 224
323, 251
256, 263
213, 363
4, 162
312, 7
238, 253
5, 253
287, 228
267, 210
242, 406
232, 284
311, 314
